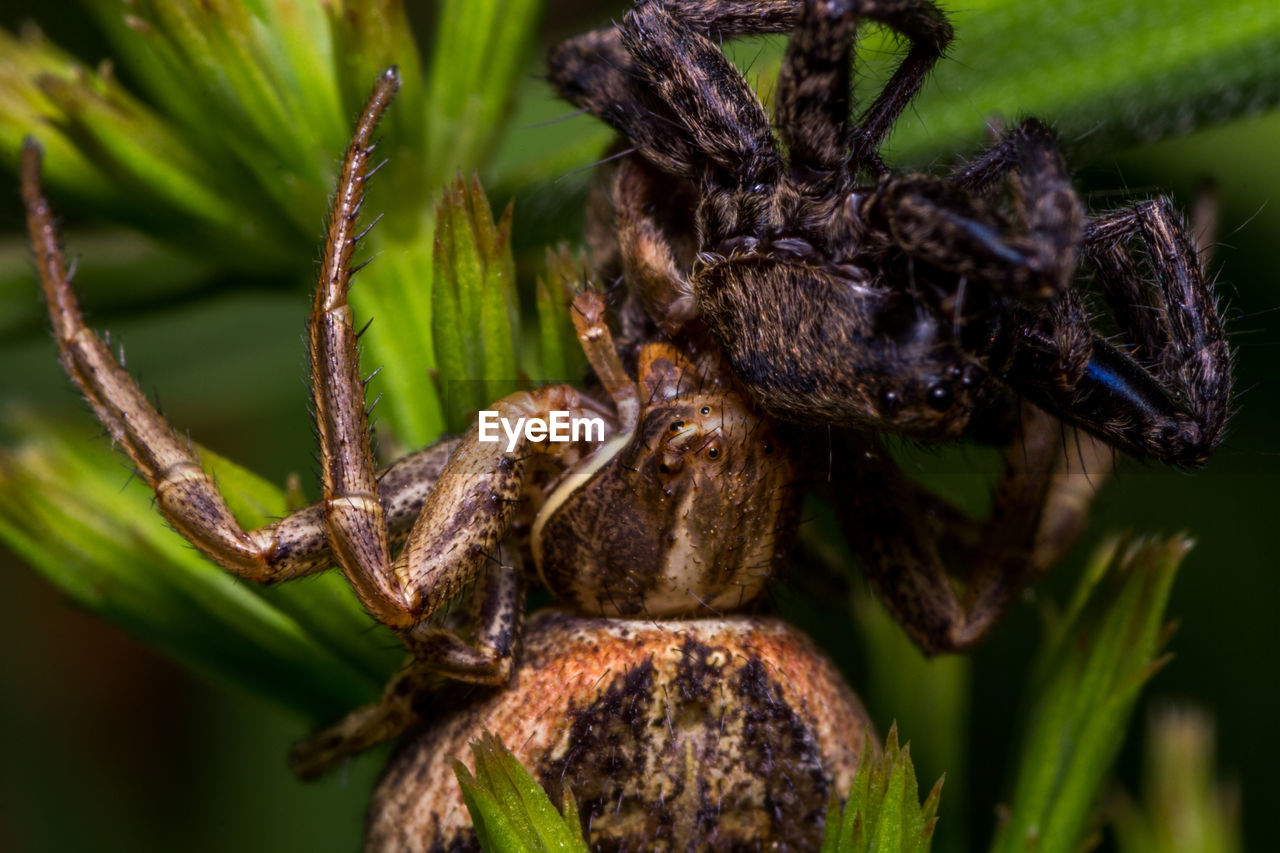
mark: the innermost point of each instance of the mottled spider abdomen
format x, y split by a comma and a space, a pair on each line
686, 735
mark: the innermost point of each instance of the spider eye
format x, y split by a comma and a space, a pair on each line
706, 410
677, 426
713, 452
890, 402
940, 397
768, 448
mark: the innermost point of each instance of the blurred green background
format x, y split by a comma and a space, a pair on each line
104, 744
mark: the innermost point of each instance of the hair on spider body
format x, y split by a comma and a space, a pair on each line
845, 293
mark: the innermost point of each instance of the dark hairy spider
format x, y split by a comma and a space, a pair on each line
851, 297
847, 294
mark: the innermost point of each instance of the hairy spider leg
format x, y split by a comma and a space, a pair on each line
734, 142
590, 323
495, 610
367, 726
665, 84
353, 514
911, 543
458, 540
1049, 207
598, 71
668, 48
632, 229
948, 224
186, 495
351, 522
814, 85
1170, 396
467, 515
812, 100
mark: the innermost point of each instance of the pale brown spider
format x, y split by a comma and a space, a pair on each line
682, 504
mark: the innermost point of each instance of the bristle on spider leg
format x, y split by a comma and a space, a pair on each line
367, 229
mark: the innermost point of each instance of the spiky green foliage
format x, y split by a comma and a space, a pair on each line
1097, 656
511, 812
475, 293
928, 697
308, 645
883, 812
1183, 807
561, 354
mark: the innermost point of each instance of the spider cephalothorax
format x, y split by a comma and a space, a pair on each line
845, 293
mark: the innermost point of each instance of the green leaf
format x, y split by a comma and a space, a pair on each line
480, 50
127, 269
474, 299
24, 107
1096, 658
883, 813
511, 812
1183, 809
1108, 75
63, 510
562, 359
928, 696
324, 605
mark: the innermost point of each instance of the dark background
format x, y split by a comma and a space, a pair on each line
104, 744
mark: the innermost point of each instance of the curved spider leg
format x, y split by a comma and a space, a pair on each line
646, 227
1169, 398
597, 342
813, 96
911, 543
670, 89
367, 726
950, 224
186, 495
1048, 206
930, 33
597, 72
716, 108
812, 101
412, 694
467, 515
353, 515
